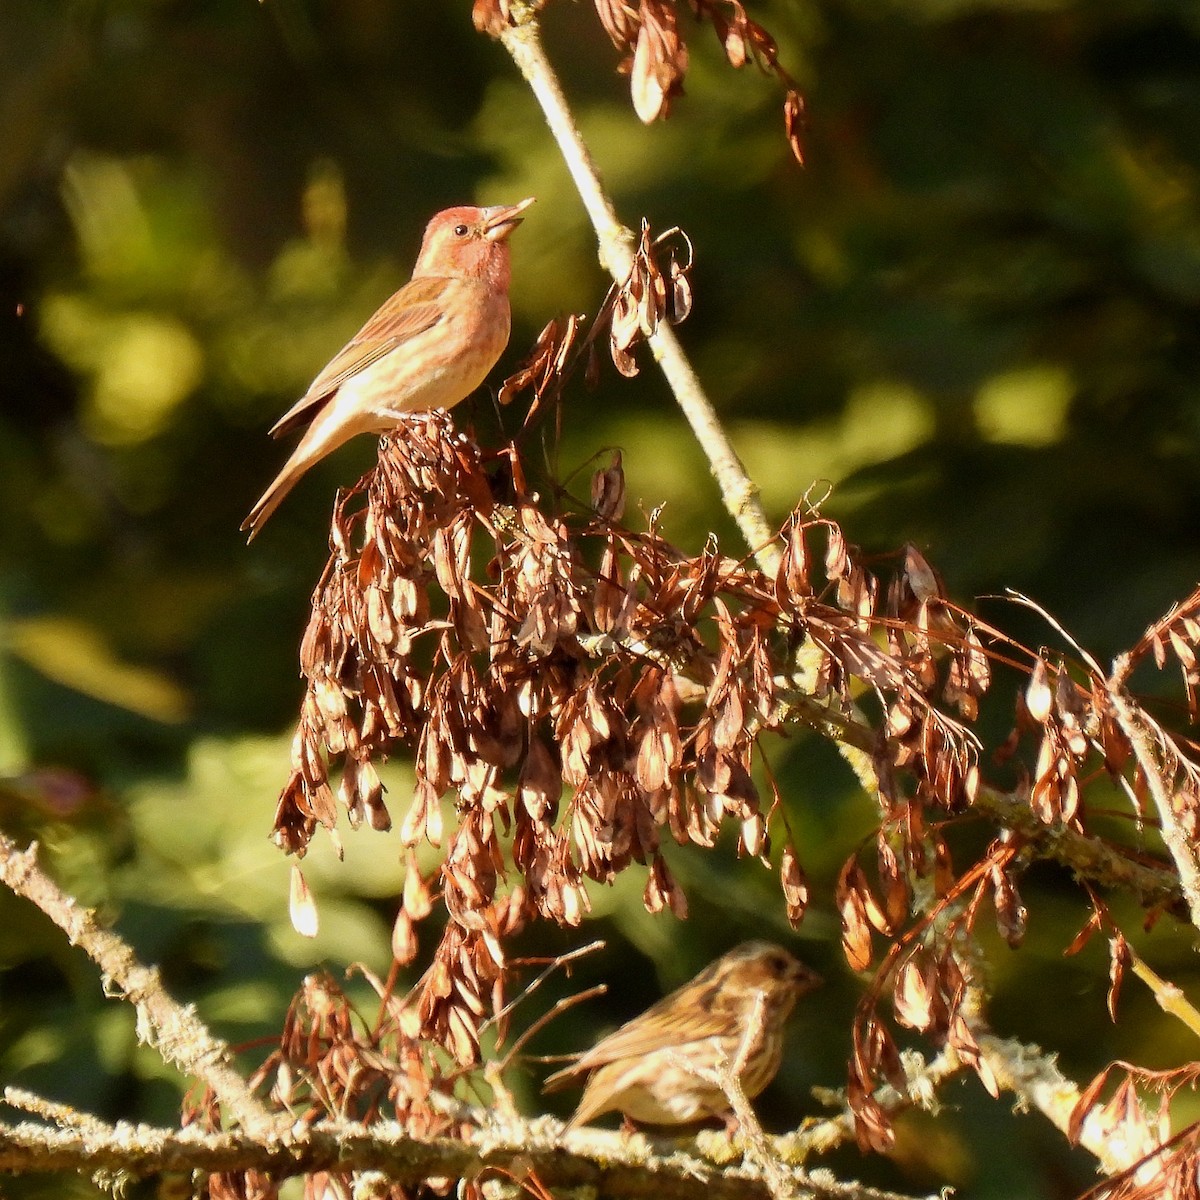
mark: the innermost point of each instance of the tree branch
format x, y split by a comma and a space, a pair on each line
171, 1028
739, 493
609, 1163
1133, 723
1033, 1075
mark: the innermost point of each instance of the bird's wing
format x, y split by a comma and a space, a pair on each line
663, 1024
414, 309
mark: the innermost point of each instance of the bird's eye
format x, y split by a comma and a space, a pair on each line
460, 231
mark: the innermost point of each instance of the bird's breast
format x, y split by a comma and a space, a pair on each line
440, 366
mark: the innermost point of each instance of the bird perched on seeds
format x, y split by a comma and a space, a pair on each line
731, 1015
429, 346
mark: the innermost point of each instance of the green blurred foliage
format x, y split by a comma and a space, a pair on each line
971, 320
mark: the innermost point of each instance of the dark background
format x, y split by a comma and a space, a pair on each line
972, 319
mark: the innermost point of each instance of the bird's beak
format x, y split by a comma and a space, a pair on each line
808, 979
499, 222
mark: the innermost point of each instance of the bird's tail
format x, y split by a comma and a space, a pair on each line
272, 498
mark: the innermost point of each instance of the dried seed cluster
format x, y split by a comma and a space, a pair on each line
648, 296
655, 53
572, 692
657, 288
329, 1065
1083, 731
580, 691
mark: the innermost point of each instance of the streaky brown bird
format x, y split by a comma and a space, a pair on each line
731, 1015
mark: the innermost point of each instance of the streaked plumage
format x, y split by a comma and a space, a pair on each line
734, 1011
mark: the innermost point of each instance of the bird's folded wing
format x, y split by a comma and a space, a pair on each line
413, 310
656, 1029
561, 1079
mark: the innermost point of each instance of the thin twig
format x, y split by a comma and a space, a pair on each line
562, 960
559, 1007
1169, 995
727, 1078
62, 1115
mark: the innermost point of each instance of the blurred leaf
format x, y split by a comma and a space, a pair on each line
75, 655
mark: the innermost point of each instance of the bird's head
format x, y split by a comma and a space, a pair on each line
765, 968
470, 243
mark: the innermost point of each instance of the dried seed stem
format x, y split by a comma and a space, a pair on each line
554, 964
556, 1010
727, 1078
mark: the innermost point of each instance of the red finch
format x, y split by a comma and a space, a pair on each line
429, 346
731, 1015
